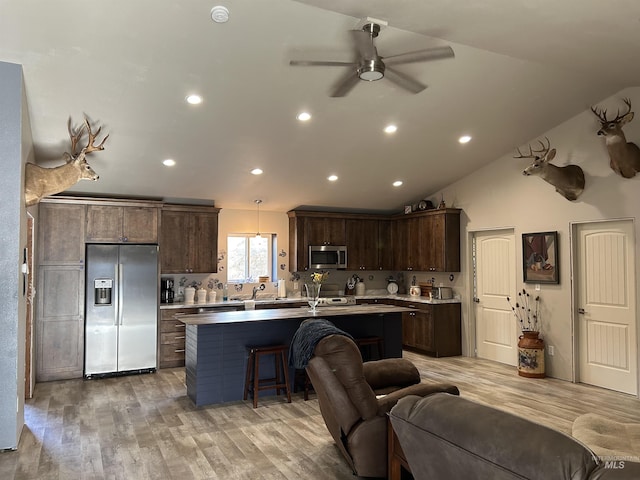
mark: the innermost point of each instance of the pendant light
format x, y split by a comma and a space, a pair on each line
258, 202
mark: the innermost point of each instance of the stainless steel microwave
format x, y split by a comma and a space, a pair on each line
327, 256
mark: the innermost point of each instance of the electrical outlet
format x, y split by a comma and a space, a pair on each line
552, 351
537, 287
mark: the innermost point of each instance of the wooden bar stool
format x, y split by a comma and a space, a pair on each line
252, 379
369, 342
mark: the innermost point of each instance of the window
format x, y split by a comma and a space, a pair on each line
250, 257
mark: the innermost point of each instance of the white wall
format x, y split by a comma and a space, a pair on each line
15, 147
498, 195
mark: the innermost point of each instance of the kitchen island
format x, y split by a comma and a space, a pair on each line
216, 343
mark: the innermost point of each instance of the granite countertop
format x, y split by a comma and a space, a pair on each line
242, 316
285, 301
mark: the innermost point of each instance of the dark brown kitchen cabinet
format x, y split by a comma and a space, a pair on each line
122, 224
428, 241
385, 245
172, 337
59, 318
442, 245
325, 231
362, 244
61, 233
312, 228
432, 328
189, 239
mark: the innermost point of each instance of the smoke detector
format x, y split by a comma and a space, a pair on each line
220, 14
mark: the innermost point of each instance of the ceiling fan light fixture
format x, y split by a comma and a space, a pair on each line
371, 70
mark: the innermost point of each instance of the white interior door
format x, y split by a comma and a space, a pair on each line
606, 304
495, 277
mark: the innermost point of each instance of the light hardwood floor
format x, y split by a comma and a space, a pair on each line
145, 427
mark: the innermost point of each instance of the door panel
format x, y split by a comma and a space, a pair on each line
496, 331
138, 267
607, 328
101, 329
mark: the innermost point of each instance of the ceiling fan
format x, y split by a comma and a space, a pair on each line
370, 66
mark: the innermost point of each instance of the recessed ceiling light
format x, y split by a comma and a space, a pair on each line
332, 178
169, 162
464, 139
256, 171
194, 99
304, 116
397, 183
220, 14
390, 129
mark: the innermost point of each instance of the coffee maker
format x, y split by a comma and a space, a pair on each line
166, 290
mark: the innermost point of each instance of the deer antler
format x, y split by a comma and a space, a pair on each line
537, 154
92, 137
602, 114
545, 149
75, 134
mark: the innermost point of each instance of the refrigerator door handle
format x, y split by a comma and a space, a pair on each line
120, 289
116, 296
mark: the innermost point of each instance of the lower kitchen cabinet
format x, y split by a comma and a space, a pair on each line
172, 337
432, 328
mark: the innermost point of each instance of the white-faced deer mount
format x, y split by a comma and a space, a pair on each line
624, 157
40, 182
568, 180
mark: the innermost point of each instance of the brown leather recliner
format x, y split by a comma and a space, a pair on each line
349, 396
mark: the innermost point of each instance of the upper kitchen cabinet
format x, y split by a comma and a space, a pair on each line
362, 244
61, 233
442, 253
385, 246
325, 230
122, 224
428, 241
313, 228
189, 239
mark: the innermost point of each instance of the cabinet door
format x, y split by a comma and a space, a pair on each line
315, 231
205, 243
424, 330
61, 234
408, 329
298, 246
385, 245
335, 231
400, 236
362, 244
175, 241
140, 224
104, 223
60, 323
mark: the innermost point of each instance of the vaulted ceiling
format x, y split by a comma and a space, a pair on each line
520, 68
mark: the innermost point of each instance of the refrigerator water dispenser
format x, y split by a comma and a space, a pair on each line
103, 288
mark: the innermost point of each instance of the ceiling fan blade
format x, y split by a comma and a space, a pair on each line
363, 44
404, 81
345, 84
419, 56
320, 63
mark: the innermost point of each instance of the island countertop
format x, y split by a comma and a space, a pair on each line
242, 316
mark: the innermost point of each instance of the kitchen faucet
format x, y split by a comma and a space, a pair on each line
255, 291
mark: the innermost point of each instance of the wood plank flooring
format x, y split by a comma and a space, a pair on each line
145, 427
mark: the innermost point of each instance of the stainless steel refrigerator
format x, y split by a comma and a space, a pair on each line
121, 309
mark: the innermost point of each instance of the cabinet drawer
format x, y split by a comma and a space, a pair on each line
173, 338
167, 326
171, 356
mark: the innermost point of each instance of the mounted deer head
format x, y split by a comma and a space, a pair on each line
40, 182
568, 180
624, 157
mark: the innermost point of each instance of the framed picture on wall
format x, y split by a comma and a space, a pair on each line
540, 257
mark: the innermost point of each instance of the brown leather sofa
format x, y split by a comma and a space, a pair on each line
445, 436
355, 398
